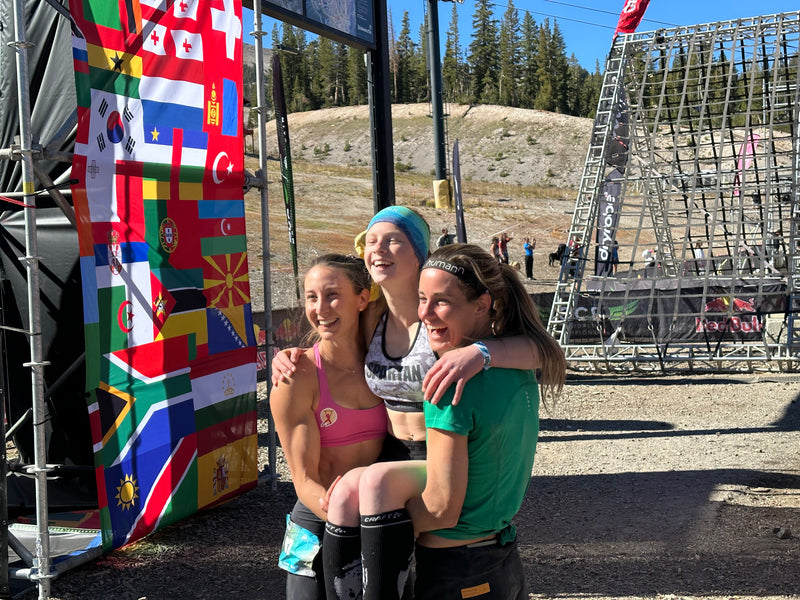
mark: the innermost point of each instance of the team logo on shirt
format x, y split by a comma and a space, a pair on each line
327, 417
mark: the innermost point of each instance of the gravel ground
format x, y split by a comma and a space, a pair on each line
677, 487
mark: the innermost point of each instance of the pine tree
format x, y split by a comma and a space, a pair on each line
545, 99
510, 52
420, 72
529, 62
560, 69
356, 78
392, 55
484, 54
296, 79
593, 87
405, 51
453, 68
324, 79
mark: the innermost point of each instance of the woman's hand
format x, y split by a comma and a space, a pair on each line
456, 366
325, 500
284, 365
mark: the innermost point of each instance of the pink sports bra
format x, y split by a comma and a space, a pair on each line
341, 426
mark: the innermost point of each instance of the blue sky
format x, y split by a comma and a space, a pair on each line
587, 25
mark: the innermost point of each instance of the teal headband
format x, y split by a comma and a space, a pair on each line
411, 224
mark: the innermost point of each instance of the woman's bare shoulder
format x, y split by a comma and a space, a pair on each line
301, 384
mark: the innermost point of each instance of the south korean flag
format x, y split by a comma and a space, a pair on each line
115, 134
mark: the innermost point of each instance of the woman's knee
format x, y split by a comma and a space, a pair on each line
343, 506
387, 486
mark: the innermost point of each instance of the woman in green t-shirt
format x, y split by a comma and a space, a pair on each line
480, 451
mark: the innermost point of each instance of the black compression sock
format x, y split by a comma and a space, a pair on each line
341, 560
387, 549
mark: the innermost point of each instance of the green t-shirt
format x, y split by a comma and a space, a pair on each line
499, 414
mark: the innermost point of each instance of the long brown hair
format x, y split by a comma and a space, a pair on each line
513, 311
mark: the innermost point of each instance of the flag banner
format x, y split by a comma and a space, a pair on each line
461, 228
170, 344
285, 153
631, 15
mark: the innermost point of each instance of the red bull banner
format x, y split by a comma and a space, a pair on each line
170, 345
631, 15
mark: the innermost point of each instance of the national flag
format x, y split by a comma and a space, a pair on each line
154, 37
226, 280
185, 9
223, 403
229, 328
229, 467
631, 15
158, 158
188, 45
223, 218
229, 22
162, 303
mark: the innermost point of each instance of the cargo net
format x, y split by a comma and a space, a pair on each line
683, 246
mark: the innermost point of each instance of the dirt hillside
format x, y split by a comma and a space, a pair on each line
497, 144
520, 173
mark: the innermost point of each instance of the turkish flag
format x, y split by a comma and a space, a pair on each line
632, 13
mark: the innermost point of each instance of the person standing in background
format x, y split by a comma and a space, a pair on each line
494, 249
444, 239
503, 247
529, 247
699, 259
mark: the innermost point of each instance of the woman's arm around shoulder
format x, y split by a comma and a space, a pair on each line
461, 364
284, 365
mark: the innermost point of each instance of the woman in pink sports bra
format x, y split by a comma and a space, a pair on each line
327, 419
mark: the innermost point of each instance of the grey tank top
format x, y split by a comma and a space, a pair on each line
398, 380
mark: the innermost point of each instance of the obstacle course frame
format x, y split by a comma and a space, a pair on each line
683, 246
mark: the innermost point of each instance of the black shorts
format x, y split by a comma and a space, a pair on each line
490, 572
395, 449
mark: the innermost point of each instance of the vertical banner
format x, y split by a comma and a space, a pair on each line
170, 346
607, 223
284, 150
610, 202
631, 15
461, 228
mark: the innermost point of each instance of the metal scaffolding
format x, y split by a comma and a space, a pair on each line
682, 251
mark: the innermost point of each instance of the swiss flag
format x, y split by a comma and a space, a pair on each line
632, 13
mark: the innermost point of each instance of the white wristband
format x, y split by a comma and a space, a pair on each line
487, 357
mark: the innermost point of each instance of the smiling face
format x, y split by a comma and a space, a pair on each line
451, 319
390, 256
332, 305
